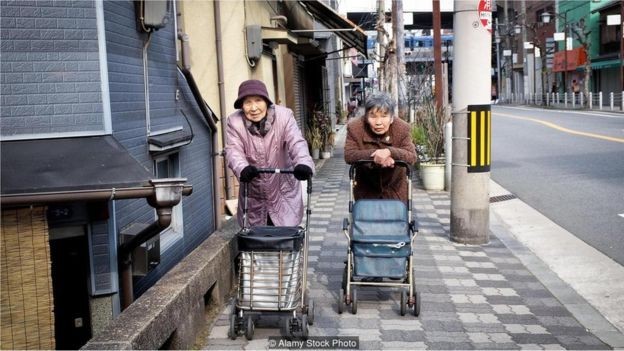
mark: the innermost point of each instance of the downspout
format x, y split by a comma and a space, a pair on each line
167, 193
217, 163
220, 78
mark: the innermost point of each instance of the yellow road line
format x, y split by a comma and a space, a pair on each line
566, 130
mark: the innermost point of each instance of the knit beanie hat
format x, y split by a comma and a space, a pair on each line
252, 87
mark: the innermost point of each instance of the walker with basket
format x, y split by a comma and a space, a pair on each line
272, 274
380, 235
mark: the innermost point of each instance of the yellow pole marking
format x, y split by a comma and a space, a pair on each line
489, 137
482, 138
473, 138
566, 130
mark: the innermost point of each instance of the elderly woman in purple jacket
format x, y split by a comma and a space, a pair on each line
263, 135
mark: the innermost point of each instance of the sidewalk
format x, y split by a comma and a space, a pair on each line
473, 297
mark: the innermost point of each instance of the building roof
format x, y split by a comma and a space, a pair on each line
68, 164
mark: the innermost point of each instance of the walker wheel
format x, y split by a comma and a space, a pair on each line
287, 327
304, 326
341, 301
403, 302
310, 311
233, 332
417, 304
354, 301
249, 331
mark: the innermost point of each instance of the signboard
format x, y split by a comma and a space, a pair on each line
550, 52
479, 138
485, 14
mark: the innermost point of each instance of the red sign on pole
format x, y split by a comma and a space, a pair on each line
485, 14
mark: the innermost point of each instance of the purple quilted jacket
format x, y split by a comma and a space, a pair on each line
276, 195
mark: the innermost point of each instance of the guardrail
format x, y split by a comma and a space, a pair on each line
612, 101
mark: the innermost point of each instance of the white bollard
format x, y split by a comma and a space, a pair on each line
565, 99
573, 100
547, 99
582, 103
611, 100
600, 100
591, 100
622, 101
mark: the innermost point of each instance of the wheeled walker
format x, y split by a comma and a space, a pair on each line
272, 274
380, 235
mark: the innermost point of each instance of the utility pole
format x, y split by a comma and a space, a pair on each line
437, 53
470, 211
509, 88
392, 76
526, 81
381, 42
622, 46
397, 24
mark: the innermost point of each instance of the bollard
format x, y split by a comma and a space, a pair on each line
565, 99
622, 101
547, 99
600, 100
591, 98
581, 96
611, 100
573, 100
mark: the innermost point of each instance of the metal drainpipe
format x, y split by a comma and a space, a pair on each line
125, 261
167, 193
217, 162
219, 48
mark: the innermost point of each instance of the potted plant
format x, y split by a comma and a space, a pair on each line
328, 148
314, 138
429, 132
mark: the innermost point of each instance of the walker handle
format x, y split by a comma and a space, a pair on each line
354, 165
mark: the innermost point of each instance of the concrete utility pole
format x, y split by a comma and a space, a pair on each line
470, 216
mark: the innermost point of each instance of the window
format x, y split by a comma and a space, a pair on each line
168, 166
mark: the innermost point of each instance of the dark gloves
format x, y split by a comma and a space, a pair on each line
302, 172
248, 173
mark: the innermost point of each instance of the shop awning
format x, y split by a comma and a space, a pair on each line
569, 60
348, 31
606, 64
68, 165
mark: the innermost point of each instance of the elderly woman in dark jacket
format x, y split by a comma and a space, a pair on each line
382, 138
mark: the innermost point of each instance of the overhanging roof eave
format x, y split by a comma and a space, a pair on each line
325, 15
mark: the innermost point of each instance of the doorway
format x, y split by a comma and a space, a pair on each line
70, 276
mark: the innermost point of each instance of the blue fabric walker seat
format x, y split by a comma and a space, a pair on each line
381, 241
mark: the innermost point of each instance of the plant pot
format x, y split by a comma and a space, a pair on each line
315, 154
432, 175
326, 154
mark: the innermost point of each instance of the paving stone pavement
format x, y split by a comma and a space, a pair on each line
473, 297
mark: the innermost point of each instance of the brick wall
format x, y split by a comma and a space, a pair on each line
50, 69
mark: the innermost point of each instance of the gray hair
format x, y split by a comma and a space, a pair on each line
379, 101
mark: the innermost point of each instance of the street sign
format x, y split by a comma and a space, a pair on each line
485, 14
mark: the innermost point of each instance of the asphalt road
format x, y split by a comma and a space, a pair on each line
569, 166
